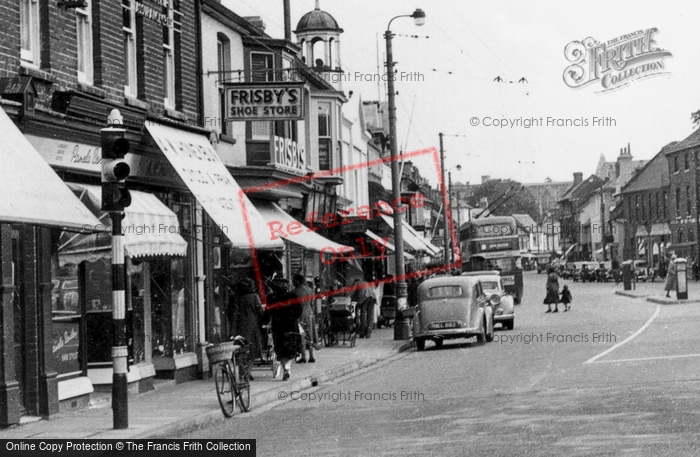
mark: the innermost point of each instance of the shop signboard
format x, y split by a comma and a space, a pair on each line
264, 101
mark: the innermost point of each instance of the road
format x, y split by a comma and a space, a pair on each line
614, 376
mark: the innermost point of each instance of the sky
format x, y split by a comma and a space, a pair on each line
464, 45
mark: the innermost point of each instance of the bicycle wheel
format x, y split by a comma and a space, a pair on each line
224, 388
241, 370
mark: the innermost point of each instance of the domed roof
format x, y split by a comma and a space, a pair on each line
317, 20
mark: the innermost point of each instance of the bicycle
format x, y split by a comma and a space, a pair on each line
230, 362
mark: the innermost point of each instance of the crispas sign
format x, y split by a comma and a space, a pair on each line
264, 102
614, 63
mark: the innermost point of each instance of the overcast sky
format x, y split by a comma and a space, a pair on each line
479, 40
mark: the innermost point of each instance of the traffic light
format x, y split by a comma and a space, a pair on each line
115, 195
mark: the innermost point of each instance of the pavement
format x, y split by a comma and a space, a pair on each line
654, 292
171, 410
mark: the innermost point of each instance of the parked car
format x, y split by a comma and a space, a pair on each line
585, 271
502, 302
452, 307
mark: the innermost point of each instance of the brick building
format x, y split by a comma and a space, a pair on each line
63, 68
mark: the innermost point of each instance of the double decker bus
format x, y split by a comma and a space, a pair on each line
492, 244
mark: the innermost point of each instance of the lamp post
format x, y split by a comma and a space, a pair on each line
449, 193
401, 328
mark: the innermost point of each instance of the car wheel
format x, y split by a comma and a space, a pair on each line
438, 343
508, 325
420, 344
489, 335
481, 337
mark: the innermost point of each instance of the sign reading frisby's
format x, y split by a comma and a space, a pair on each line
264, 102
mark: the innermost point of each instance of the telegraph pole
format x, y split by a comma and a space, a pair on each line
445, 235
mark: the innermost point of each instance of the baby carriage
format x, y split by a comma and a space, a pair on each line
342, 326
269, 358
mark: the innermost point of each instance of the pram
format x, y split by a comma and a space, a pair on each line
269, 358
341, 326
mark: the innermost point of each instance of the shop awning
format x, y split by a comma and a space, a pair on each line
389, 246
205, 175
412, 238
278, 226
660, 229
149, 227
32, 192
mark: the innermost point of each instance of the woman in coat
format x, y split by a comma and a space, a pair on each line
284, 318
671, 277
245, 313
552, 297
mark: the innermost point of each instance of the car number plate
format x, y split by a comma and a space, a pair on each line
444, 325
508, 280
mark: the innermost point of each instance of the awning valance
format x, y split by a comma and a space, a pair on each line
385, 242
278, 224
205, 175
32, 192
149, 227
412, 238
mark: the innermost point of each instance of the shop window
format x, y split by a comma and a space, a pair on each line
84, 38
130, 58
30, 35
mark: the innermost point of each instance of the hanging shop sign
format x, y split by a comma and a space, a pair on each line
289, 153
264, 102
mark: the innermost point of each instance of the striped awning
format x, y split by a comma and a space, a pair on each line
149, 227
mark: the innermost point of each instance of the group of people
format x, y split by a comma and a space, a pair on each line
292, 316
552, 297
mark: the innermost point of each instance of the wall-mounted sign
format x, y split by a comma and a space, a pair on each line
289, 153
156, 13
264, 102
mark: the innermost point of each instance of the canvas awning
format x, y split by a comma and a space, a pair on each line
32, 192
389, 246
412, 238
149, 227
278, 226
206, 176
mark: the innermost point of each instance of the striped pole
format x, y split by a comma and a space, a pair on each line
120, 405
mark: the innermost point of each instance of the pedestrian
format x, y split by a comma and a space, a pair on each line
245, 313
365, 309
566, 297
552, 289
284, 318
671, 276
308, 320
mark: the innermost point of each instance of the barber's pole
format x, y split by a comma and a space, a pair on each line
120, 406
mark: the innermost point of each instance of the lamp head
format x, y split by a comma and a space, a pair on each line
459, 168
418, 17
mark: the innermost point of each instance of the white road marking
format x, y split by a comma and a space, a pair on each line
629, 338
662, 357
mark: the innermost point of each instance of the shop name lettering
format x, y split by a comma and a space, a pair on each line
614, 63
289, 153
91, 156
264, 102
64, 339
154, 15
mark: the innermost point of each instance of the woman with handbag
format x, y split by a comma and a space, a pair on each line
552, 288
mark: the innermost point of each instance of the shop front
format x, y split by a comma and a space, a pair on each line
41, 368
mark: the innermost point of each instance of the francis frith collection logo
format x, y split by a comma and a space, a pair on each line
614, 63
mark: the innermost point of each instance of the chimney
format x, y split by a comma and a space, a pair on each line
578, 178
485, 179
257, 21
287, 21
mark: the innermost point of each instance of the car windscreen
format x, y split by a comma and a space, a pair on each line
490, 285
445, 292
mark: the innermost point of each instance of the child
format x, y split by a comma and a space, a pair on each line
566, 298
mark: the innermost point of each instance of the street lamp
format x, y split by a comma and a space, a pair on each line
449, 193
402, 331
